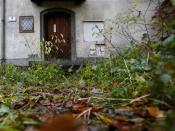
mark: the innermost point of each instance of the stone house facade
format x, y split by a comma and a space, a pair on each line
25, 23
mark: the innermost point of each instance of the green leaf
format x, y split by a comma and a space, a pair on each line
7, 128
28, 121
165, 78
4, 109
169, 42
146, 67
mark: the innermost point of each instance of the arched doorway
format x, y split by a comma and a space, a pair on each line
58, 27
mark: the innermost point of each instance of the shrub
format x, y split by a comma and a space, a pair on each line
163, 75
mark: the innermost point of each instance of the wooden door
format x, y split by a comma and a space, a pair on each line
58, 32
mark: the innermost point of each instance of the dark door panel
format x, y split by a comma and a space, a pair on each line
58, 32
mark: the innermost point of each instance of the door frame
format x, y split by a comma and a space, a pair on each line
72, 21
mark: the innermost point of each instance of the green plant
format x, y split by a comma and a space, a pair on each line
40, 73
13, 74
45, 72
163, 76
52, 45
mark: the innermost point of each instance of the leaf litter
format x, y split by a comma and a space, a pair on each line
29, 109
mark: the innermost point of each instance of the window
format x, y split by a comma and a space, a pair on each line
26, 24
92, 31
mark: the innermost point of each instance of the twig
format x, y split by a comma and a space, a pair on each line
89, 99
110, 99
85, 113
128, 70
146, 27
161, 102
117, 99
148, 55
139, 98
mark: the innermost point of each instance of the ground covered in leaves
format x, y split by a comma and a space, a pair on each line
27, 108
133, 91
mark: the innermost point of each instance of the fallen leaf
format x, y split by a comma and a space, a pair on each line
155, 112
64, 123
105, 119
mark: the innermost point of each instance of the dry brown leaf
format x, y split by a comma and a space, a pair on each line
64, 123
155, 112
